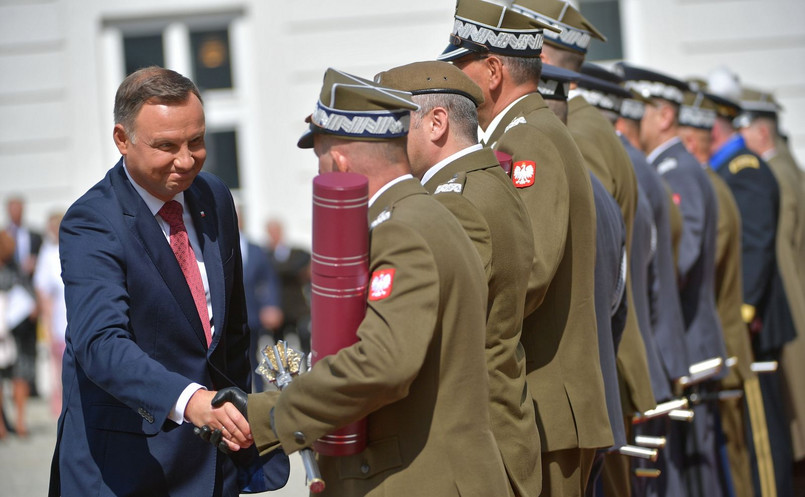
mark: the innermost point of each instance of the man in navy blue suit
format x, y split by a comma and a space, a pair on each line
156, 313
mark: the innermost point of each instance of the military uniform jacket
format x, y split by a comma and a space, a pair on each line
792, 365
477, 191
729, 287
606, 158
417, 372
564, 373
610, 298
757, 195
665, 310
693, 193
790, 237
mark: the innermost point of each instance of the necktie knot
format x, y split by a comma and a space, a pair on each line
171, 212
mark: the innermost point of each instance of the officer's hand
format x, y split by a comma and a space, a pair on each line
214, 437
227, 418
233, 395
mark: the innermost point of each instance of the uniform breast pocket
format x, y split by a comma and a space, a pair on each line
378, 457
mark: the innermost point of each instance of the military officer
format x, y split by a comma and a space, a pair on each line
605, 157
765, 308
499, 49
410, 372
610, 276
695, 197
697, 115
759, 126
466, 178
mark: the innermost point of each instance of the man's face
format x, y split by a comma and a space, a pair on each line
321, 147
417, 142
650, 127
753, 137
15, 211
168, 149
474, 66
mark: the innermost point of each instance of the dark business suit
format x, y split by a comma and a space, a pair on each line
135, 341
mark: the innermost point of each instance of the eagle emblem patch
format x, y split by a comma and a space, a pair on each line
381, 284
523, 173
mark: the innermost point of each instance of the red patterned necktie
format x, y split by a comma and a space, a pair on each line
171, 212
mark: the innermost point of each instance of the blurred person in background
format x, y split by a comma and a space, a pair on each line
8, 349
26, 248
50, 296
292, 265
261, 284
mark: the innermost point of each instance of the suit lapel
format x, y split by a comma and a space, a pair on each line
149, 236
206, 230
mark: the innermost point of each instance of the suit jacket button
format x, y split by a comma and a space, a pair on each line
299, 437
365, 468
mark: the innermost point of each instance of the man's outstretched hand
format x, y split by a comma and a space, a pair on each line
220, 418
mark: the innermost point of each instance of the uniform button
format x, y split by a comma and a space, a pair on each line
299, 437
364, 468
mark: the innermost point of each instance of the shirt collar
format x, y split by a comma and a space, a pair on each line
485, 135
733, 145
444, 162
387, 186
153, 203
662, 148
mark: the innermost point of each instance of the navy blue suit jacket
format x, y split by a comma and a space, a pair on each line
135, 341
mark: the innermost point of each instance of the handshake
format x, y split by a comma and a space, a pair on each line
226, 426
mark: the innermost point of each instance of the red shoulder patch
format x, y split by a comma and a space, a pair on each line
523, 173
381, 284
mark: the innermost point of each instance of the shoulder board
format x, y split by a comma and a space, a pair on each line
455, 185
517, 120
381, 218
667, 165
742, 162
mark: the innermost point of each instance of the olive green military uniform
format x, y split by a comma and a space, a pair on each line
608, 160
417, 374
564, 373
480, 194
790, 248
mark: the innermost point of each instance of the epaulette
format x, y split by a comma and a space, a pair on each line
666, 165
381, 218
517, 120
455, 185
742, 162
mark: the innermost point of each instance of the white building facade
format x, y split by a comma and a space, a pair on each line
260, 64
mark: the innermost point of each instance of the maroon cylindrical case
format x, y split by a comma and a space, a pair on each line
339, 277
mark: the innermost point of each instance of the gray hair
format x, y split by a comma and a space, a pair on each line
461, 111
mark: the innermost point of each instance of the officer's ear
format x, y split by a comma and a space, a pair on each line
340, 160
439, 124
668, 115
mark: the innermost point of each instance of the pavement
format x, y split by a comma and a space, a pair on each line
25, 462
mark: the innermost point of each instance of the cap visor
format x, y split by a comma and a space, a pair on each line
452, 52
306, 140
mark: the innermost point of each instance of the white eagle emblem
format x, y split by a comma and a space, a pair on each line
381, 285
523, 173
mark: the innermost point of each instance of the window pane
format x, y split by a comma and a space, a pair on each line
222, 157
143, 51
211, 59
604, 15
